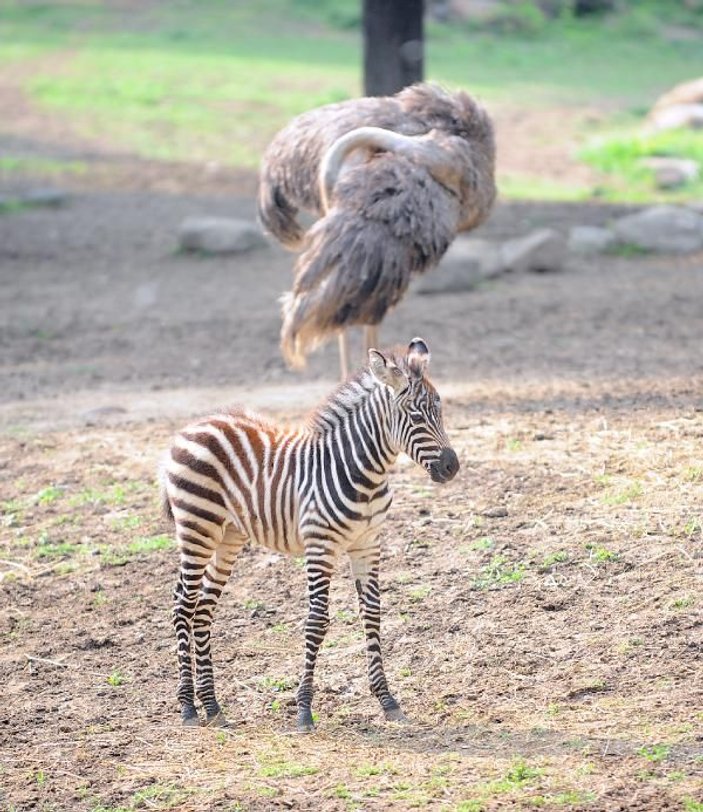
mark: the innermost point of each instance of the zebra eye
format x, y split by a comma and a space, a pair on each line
416, 417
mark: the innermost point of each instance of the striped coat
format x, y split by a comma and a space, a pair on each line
319, 491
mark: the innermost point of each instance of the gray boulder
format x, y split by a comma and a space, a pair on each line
219, 235
590, 240
670, 173
467, 263
675, 117
44, 197
542, 250
663, 229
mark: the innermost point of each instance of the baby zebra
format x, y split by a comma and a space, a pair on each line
319, 490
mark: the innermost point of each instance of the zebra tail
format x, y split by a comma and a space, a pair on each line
166, 510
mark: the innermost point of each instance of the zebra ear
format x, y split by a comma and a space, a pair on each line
418, 357
386, 371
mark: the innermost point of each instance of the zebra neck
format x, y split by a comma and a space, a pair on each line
352, 431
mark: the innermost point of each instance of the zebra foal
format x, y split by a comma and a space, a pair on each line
318, 491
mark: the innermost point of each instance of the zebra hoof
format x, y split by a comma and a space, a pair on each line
216, 720
190, 718
304, 722
396, 715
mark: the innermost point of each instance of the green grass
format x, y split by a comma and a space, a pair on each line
10, 164
620, 157
499, 572
213, 81
145, 545
655, 753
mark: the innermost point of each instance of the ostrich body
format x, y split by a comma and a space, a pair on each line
392, 181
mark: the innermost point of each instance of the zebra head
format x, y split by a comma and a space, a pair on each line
416, 414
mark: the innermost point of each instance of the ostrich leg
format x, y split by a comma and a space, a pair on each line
371, 337
344, 355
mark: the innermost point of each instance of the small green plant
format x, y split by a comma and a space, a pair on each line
60, 549
655, 752
286, 769
471, 805
277, 683
119, 556
693, 527
367, 770
484, 543
683, 603
279, 628
48, 495
572, 798
691, 805
520, 772
622, 497
116, 678
159, 796
551, 559
405, 671
126, 522
346, 617
499, 572
601, 554
419, 593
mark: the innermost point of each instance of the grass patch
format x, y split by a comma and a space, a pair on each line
213, 81
600, 554
146, 545
655, 752
499, 572
621, 497
286, 769
10, 164
620, 157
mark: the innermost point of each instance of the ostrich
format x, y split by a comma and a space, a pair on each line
392, 180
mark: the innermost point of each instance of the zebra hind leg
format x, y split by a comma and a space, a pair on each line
365, 573
185, 599
319, 572
216, 574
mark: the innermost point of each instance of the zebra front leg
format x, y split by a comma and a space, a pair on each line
364, 564
319, 571
216, 574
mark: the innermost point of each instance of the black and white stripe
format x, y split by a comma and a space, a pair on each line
319, 491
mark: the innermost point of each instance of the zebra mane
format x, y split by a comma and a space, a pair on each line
343, 400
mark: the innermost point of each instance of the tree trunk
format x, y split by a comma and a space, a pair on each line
393, 45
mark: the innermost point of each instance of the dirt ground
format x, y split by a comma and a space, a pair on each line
542, 622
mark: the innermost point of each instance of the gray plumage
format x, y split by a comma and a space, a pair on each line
386, 211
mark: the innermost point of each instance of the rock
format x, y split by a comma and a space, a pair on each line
672, 172
664, 229
219, 235
685, 93
467, 263
44, 197
671, 118
495, 512
542, 250
590, 240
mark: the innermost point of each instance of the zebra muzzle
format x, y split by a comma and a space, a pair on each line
445, 467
